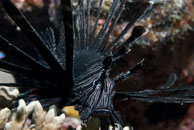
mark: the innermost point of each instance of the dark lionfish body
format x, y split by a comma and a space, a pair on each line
74, 70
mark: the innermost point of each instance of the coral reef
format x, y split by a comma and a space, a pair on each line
7, 95
168, 20
188, 122
27, 5
41, 120
165, 21
19, 118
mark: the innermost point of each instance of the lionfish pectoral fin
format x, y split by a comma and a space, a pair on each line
22, 71
182, 94
14, 85
49, 37
169, 99
61, 47
10, 48
170, 82
51, 97
148, 98
46, 103
69, 39
124, 76
12, 68
32, 34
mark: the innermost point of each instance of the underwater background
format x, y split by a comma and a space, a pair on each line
168, 47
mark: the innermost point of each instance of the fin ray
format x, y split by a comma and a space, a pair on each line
32, 34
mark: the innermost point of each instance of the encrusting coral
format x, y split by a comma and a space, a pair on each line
7, 95
19, 118
4, 115
168, 20
42, 120
27, 5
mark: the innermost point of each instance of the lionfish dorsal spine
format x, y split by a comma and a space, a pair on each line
131, 22
98, 40
88, 24
114, 22
94, 29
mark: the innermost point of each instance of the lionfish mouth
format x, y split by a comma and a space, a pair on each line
101, 112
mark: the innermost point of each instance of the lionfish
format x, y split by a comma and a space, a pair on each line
75, 69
